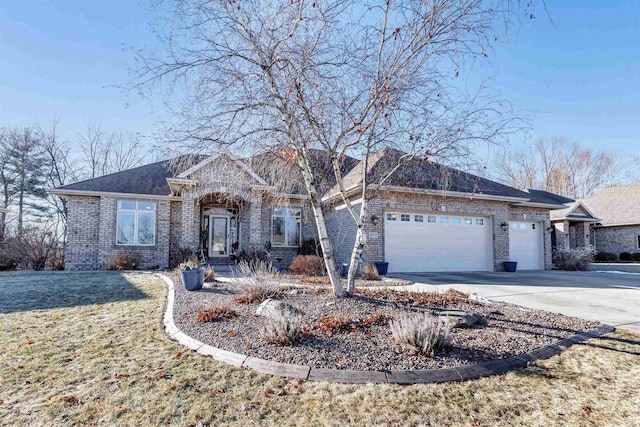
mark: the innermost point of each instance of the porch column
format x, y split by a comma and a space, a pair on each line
190, 222
255, 221
567, 238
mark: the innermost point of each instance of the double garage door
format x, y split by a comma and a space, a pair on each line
440, 242
437, 242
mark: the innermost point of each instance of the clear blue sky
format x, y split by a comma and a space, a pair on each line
579, 76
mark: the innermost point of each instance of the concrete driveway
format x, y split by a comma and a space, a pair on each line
609, 297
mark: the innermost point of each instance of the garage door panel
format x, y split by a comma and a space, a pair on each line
412, 246
525, 244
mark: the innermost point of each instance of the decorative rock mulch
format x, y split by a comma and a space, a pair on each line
349, 340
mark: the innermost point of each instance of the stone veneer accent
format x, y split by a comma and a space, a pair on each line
617, 239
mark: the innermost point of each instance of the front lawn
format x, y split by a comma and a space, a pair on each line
90, 349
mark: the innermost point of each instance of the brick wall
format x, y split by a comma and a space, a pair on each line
617, 239
82, 233
175, 232
156, 255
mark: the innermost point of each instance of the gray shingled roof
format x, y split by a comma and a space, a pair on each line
417, 173
542, 196
148, 179
616, 205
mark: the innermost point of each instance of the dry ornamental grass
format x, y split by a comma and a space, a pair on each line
89, 349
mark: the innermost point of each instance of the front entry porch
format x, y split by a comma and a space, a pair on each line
220, 233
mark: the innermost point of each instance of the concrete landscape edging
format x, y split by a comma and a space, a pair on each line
301, 372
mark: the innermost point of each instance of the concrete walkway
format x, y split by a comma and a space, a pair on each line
610, 297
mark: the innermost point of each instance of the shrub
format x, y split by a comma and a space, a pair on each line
282, 331
8, 257
370, 271
635, 256
258, 280
215, 313
124, 260
181, 254
253, 254
377, 319
625, 256
209, 274
573, 259
420, 334
333, 324
309, 265
605, 257
311, 247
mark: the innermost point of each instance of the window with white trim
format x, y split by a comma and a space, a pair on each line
405, 217
455, 220
431, 219
418, 218
286, 226
391, 217
479, 221
136, 223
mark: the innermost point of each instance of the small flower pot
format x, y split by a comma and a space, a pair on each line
192, 279
510, 266
382, 267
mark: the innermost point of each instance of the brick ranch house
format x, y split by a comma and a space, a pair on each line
425, 217
609, 221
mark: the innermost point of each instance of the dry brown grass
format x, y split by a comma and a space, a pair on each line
215, 313
96, 354
428, 299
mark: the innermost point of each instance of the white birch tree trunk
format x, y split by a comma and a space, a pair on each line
323, 236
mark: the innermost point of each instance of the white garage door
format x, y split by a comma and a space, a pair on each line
437, 242
525, 244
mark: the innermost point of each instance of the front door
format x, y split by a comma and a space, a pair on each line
219, 236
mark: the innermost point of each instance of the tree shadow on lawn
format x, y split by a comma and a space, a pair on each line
25, 292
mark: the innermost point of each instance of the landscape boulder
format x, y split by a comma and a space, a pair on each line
459, 318
278, 310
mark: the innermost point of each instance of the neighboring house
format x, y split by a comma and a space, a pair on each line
425, 217
572, 226
617, 228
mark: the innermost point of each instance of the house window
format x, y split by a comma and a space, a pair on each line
455, 220
136, 223
418, 218
285, 226
405, 217
391, 217
479, 221
444, 220
638, 242
468, 221
432, 219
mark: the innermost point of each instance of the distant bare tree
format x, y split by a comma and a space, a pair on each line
341, 76
59, 169
558, 166
109, 152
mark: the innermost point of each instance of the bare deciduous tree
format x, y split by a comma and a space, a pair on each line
336, 75
558, 166
109, 152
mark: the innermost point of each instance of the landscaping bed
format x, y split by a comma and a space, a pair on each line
354, 333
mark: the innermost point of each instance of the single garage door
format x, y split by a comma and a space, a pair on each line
437, 242
525, 244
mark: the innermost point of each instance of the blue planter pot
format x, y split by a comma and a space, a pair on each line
382, 267
510, 266
192, 279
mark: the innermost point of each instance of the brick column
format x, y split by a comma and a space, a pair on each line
255, 221
190, 225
